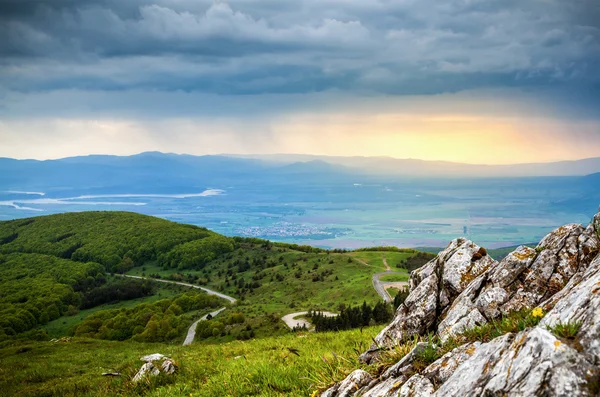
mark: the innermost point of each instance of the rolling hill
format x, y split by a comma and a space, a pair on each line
67, 259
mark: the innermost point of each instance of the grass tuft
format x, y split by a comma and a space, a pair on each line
566, 330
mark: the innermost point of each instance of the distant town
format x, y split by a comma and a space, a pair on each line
287, 229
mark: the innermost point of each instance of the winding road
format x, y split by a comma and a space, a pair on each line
291, 321
208, 291
191, 334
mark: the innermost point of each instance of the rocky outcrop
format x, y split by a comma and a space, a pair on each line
531, 363
433, 288
154, 365
463, 287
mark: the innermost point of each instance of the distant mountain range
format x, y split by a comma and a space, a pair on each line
423, 168
181, 172
312, 163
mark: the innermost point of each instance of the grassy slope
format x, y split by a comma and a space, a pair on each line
266, 367
104, 237
375, 258
347, 282
290, 280
292, 365
395, 278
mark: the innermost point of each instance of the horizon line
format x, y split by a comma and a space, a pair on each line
256, 155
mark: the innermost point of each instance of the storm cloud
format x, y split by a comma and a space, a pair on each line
113, 76
266, 46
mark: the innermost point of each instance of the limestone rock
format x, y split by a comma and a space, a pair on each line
512, 266
350, 385
387, 388
556, 263
523, 279
404, 366
532, 363
413, 317
391, 380
462, 287
581, 305
417, 386
155, 364
147, 369
153, 357
441, 370
433, 288
463, 314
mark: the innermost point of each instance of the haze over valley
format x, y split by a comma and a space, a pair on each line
324, 198
321, 201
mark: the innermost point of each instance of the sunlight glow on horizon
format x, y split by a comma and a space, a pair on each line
444, 137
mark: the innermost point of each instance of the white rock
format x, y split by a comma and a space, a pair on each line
387, 388
168, 367
413, 317
581, 304
153, 357
152, 368
532, 363
147, 369
489, 301
441, 370
349, 386
463, 314
417, 386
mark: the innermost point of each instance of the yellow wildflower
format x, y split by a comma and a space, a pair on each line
538, 312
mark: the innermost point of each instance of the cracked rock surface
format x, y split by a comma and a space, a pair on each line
463, 287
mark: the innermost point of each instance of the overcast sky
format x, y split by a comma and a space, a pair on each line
480, 81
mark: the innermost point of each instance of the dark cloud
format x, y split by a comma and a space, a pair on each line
273, 46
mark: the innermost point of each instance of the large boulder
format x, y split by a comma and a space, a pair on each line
525, 278
462, 288
531, 363
433, 288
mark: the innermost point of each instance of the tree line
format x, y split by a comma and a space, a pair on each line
353, 317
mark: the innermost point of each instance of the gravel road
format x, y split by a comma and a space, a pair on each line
291, 322
191, 334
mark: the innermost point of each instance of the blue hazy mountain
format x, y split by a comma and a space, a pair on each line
163, 170
423, 168
325, 201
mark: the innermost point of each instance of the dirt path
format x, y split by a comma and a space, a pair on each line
387, 267
364, 263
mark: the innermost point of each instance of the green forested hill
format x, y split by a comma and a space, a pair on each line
114, 239
53, 266
36, 289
